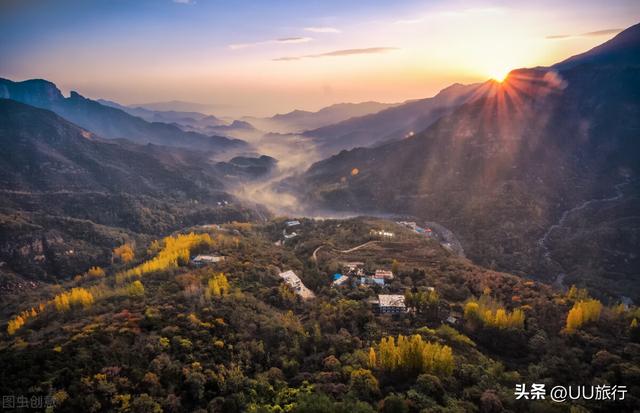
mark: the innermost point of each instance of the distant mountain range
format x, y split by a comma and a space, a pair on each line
111, 122
179, 106
195, 120
501, 169
299, 121
68, 196
397, 122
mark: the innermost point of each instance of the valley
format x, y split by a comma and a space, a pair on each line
438, 253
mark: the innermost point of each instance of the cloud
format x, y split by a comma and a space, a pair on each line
602, 32
410, 21
185, 1
587, 34
283, 40
322, 29
336, 53
293, 40
453, 13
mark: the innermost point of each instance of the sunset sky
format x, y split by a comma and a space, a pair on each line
259, 58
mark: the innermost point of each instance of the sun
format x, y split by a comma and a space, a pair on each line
499, 74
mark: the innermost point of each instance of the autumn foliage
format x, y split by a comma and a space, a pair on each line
135, 289
175, 252
218, 285
18, 321
491, 314
95, 272
411, 355
74, 298
583, 312
124, 253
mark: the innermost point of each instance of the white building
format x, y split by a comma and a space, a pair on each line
385, 274
296, 284
340, 281
206, 259
292, 223
391, 304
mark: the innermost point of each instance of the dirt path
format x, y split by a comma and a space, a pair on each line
542, 242
314, 256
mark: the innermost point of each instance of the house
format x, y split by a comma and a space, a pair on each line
452, 320
382, 233
292, 223
391, 304
292, 235
364, 280
354, 268
206, 259
384, 274
296, 284
408, 224
341, 280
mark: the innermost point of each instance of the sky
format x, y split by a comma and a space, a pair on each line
265, 57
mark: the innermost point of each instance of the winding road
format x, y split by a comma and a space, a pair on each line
542, 242
314, 256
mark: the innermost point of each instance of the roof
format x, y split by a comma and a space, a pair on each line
208, 258
383, 274
287, 275
292, 223
343, 279
337, 275
391, 300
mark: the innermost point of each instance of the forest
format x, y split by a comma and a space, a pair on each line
152, 332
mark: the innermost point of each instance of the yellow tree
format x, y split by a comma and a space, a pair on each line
373, 361
95, 272
136, 289
124, 253
218, 285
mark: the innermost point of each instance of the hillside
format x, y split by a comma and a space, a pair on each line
298, 121
395, 123
502, 170
231, 336
110, 122
186, 120
69, 196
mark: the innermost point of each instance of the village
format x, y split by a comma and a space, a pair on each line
383, 292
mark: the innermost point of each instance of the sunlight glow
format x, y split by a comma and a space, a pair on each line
499, 74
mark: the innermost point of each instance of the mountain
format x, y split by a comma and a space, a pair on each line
529, 177
192, 121
110, 122
178, 106
232, 336
301, 120
69, 196
624, 48
394, 123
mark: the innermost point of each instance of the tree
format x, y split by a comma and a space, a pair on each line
175, 252
412, 355
394, 404
583, 312
218, 285
76, 297
95, 272
373, 361
124, 253
364, 384
135, 289
145, 404
492, 314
